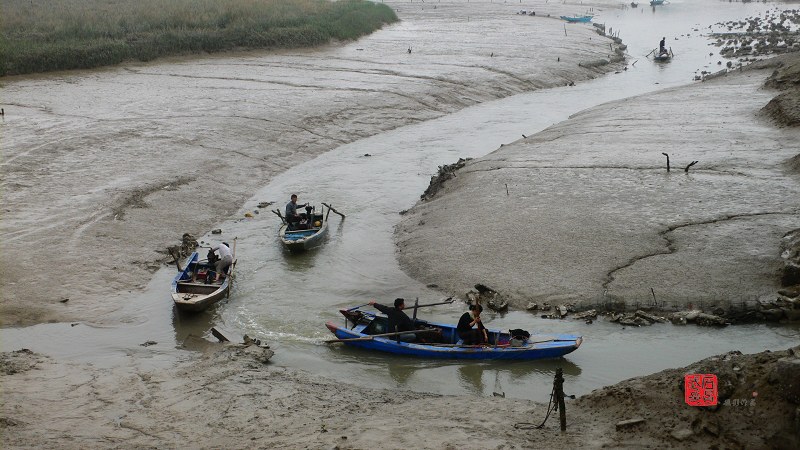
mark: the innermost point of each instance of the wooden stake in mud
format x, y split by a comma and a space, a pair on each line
667, 160
558, 388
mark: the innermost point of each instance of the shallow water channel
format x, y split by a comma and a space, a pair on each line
286, 299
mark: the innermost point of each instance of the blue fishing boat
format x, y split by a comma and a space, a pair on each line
434, 340
574, 19
193, 289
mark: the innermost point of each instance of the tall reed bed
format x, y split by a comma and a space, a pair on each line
47, 35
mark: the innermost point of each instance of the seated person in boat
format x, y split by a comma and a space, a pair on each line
662, 46
398, 320
293, 218
225, 259
472, 336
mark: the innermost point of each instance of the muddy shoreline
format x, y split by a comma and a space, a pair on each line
586, 266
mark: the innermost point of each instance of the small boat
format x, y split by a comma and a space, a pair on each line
305, 235
193, 288
634, 5
367, 330
656, 2
575, 19
663, 56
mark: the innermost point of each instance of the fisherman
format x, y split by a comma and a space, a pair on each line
662, 46
398, 320
225, 259
292, 216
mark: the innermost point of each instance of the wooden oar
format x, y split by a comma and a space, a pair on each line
370, 337
331, 208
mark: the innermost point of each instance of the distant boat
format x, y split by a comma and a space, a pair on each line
663, 56
656, 2
586, 18
634, 5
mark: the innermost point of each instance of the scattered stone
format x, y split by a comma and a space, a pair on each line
682, 434
532, 306
629, 423
487, 296
445, 173
217, 231
64, 300
787, 374
649, 317
590, 314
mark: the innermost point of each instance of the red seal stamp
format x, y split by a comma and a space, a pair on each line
700, 389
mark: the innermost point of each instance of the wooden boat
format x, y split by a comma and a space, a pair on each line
308, 235
656, 2
662, 57
440, 341
192, 288
574, 19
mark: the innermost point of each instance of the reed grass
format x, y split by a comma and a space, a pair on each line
48, 35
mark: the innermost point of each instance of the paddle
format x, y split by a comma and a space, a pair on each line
370, 337
446, 302
357, 307
330, 208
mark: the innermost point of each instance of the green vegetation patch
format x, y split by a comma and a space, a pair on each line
48, 35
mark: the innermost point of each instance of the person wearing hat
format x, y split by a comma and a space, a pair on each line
398, 320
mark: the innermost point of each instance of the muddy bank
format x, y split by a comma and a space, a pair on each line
588, 213
231, 399
103, 170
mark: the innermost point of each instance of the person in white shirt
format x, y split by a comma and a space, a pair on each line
225, 259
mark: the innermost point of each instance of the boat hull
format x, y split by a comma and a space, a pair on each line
189, 294
538, 347
577, 19
301, 240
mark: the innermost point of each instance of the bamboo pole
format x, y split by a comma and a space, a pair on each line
332, 209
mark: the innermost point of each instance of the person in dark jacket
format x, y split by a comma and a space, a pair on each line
472, 336
398, 320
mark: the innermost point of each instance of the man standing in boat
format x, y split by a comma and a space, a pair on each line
225, 259
398, 320
292, 216
662, 46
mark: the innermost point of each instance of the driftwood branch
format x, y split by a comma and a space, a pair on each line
221, 337
278, 213
690, 165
